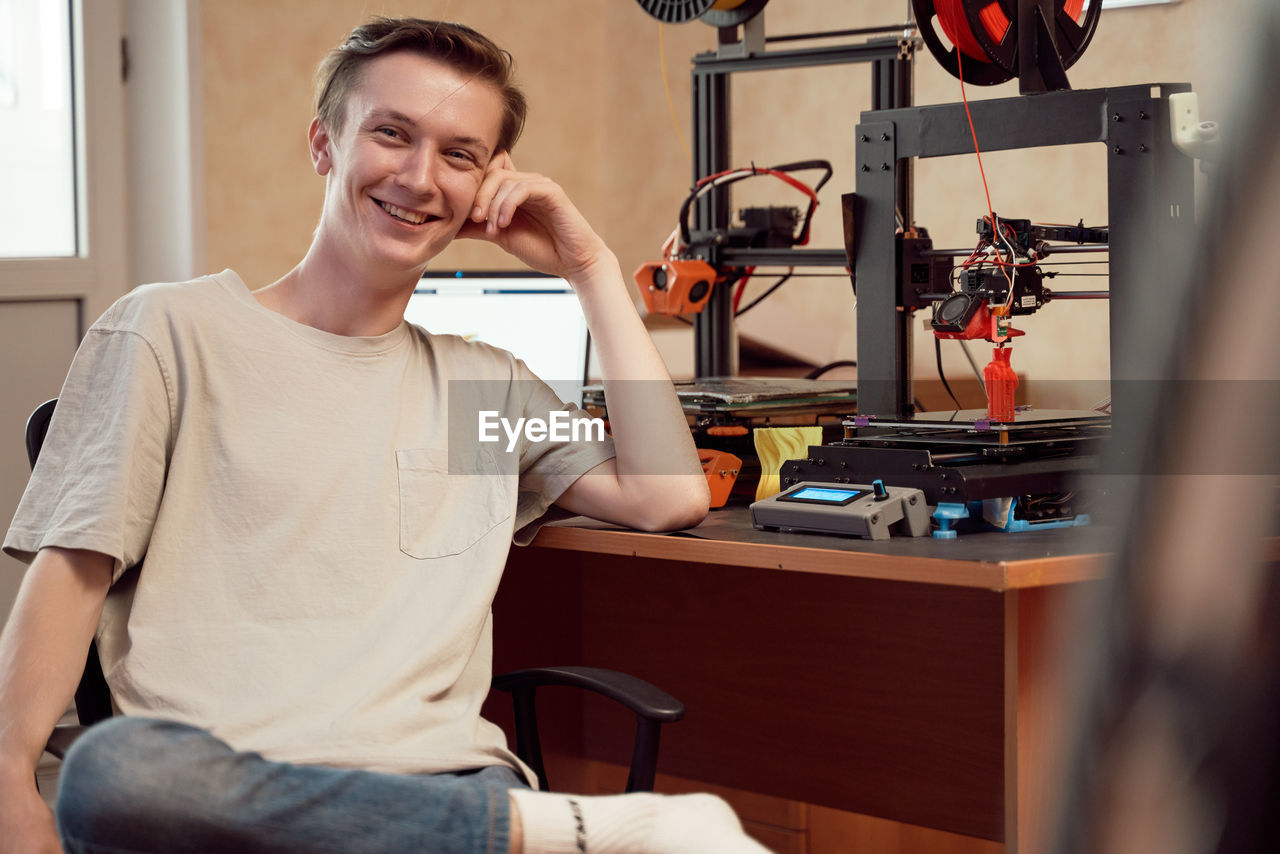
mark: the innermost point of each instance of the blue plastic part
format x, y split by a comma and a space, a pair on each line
1017, 525
947, 513
1014, 526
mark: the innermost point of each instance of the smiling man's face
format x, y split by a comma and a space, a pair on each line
403, 170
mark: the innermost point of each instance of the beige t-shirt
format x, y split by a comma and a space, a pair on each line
320, 552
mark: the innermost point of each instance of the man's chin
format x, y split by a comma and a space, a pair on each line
419, 256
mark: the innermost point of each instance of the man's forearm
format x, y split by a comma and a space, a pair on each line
650, 432
43, 647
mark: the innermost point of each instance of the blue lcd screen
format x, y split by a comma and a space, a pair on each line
825, 495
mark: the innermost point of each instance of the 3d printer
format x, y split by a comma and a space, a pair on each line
1022, 465
1024, 462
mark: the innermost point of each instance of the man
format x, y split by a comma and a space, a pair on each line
318, 570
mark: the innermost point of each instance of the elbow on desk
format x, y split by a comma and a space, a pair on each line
673, 522
684, 509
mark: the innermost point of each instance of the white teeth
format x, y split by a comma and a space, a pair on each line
401, 213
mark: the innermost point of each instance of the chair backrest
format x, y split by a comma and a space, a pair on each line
38, 428
93, 697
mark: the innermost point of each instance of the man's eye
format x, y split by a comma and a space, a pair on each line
390, 132
462, 155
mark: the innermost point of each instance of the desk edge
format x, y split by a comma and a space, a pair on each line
992, 575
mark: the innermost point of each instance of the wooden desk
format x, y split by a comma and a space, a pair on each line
901, 695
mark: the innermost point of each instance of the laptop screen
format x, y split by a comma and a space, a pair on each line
536, 317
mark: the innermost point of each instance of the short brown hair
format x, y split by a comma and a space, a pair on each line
457, 46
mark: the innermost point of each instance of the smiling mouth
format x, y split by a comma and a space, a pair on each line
405, 215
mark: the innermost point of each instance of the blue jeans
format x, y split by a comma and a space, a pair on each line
135, 785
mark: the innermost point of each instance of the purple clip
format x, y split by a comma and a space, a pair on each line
982, 424
861, 420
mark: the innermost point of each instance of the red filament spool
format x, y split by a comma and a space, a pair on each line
955, 24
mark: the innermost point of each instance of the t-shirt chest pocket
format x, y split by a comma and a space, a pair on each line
444, 514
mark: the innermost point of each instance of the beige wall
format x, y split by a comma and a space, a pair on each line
599, 123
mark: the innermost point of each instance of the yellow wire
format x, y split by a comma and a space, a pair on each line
666, 85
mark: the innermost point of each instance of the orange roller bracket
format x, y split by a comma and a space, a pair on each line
675, 287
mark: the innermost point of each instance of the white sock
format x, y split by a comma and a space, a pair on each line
640, 823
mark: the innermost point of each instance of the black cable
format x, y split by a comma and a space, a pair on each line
831, 366
937, 351
751, 172
755, 302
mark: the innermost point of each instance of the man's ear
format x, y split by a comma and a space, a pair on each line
318, 140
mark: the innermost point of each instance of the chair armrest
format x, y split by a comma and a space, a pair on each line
651, 705
641, 697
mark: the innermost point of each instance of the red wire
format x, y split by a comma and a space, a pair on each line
995, 225
783, 176
956, 26
803, 240
976, 151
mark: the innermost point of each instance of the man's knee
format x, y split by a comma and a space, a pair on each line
127, 777
138, 751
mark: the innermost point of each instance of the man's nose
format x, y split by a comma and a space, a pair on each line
418, 172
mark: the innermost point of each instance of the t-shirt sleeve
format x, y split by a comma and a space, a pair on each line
549, 467
100, 475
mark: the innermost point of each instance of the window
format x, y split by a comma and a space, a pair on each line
37, 154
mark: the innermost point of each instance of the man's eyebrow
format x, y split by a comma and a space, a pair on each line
472, 142
384, 113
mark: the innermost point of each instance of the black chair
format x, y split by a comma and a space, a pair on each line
651, 705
